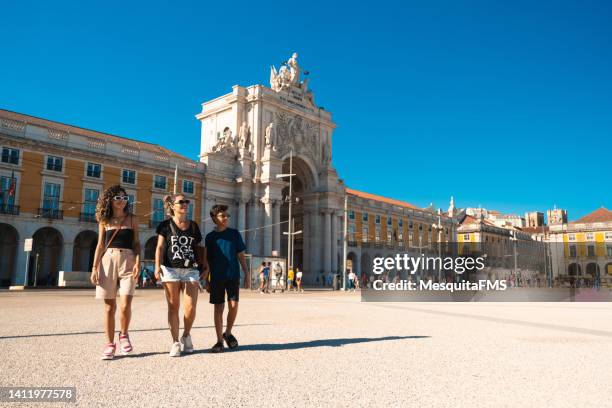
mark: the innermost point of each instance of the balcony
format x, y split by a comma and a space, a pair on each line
9, 209
51, 213
87, 217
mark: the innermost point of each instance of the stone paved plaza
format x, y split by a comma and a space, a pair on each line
317, 349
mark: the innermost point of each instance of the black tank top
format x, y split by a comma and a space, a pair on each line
123, 240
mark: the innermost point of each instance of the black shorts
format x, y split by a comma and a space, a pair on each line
218, 288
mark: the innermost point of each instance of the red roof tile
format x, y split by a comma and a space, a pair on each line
599, 215
380, 198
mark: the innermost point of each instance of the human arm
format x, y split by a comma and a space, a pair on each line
136, 248
159, 252
97, 256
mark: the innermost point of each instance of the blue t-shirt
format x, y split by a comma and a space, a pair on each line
266, 271
222, 249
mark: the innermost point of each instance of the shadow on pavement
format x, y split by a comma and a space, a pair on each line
321, 343
284, 346
25, 336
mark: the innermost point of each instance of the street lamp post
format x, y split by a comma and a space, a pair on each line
289, 224
438, 226
514, 241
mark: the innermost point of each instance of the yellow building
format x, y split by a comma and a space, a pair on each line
380, 226
582, 249
51, 175
508, 248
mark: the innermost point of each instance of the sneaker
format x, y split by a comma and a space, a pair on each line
109, 351
175, 350
126, 345
187, 344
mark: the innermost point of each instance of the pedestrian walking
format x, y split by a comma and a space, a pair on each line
266, 274
116, 265
177, 258
224, 250
290, 276
298, 278
278, 275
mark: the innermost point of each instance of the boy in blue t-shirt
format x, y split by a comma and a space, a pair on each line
224, 251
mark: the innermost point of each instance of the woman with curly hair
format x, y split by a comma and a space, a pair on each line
177, 259
116, 264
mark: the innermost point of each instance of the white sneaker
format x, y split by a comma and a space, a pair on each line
175, 350
187, 344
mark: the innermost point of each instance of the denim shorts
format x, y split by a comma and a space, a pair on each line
179, 274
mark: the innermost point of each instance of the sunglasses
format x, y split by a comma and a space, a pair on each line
121, 198
182, 202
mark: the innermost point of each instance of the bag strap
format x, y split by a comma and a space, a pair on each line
113, 237
172, 227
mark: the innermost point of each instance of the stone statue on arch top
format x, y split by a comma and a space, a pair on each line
270, 136
294, 69
244, 141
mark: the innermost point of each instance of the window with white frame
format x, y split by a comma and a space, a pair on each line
389, 221
608, 235
351, 215
589, 236
51, 196
8, 190
128, 176
94, 170
158, 210
160, 182
91, 200
10, 155
364, 216
190, 211
55, 163
400, 223
591, 250
571, 237
377, 219
609, 251
188, 187
466, 237
351, 232
572, 251
132, 202
365, 233
389, 235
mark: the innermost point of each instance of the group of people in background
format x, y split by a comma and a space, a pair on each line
266, 271
182, 262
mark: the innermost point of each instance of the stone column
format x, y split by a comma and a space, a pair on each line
316, 242
67, 258
252, 222
327, 247
306, 242
276, 235
241, 216
267, 230
334, 243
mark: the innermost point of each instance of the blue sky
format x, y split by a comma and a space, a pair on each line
503, 104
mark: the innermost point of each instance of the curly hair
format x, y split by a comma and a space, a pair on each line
169, 202
104, 208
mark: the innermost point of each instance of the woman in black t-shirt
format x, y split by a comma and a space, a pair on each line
177, 260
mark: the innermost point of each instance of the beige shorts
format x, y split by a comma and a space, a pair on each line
115, 270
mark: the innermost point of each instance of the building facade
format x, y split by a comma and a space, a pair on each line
582, 249
51, 176
382, 227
